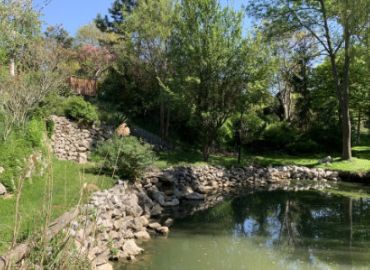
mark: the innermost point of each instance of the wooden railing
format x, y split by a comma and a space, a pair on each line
85, 87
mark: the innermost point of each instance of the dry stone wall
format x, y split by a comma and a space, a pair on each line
72, 142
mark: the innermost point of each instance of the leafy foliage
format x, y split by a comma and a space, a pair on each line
35, 132
125, 157
80, 110
14, 151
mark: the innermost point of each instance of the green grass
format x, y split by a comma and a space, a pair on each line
68, 179
360, 163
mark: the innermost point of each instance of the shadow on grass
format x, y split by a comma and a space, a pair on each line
361, 152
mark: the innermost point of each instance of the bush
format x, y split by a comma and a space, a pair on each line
50, 125
126, 157
35, 132
80, 110
303, 146
13, 151
279, 134
53, 104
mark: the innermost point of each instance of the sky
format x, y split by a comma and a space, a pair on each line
72, 14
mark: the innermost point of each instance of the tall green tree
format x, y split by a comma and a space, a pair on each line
335, 25
19, 23
147, 43
209, 56
116, 17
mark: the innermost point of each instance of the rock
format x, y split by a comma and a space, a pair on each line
127, 234
134, 210
326, 160
82, 158
137, 224
169, 222
195, 196
172, 202
158, 197
144, 221
205, 189
156, 210
167, 177
142, 235
106, 266
154, 225
2, 190
130, 248
163, 230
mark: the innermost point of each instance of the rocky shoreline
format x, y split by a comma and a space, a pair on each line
115, 222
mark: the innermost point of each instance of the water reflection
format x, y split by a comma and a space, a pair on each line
269, 230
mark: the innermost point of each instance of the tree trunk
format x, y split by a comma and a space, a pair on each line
162, 121
239, 154
358, 131
346, 120
167, 123
206, 147
342, 89
346, 132
12, 67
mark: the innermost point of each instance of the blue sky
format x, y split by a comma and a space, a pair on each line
73, 14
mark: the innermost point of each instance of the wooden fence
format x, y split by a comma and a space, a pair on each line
85, 87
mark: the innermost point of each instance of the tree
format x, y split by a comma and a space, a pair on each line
147, 43
112, 24
91, 35
60, 35
93, 61
209, 54
43, 69
334, 25
19, 23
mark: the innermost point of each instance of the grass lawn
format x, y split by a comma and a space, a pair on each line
360, 162
68, 178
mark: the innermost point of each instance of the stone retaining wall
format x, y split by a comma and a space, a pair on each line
116, 221
71, 142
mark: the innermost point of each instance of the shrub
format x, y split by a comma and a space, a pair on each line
303, 146
126, 157
50, 125
13, 151
53, 104
80, 110
35, 132
279, 134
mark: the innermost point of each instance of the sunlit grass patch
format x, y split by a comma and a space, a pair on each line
68, 180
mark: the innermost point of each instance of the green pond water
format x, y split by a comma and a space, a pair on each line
267, 231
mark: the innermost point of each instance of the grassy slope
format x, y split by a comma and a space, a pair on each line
68, 178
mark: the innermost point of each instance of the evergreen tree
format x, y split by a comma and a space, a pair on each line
112, 22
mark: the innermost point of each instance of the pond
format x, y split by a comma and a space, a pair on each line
269, 230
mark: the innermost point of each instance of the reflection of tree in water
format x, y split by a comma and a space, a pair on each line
306, 224
309, 226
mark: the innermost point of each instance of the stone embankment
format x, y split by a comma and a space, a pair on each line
72, 142
117, 221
